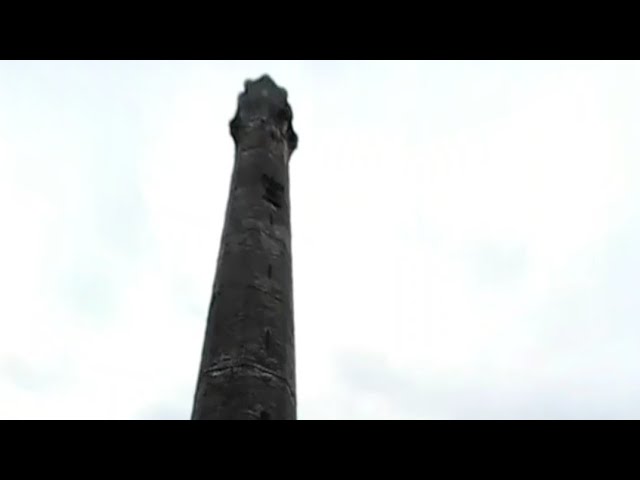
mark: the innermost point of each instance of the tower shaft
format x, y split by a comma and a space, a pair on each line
247, 368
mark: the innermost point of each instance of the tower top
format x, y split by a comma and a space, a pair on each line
263, 104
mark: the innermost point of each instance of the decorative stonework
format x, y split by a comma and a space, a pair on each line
264, 105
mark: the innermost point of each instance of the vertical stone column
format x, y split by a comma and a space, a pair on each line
247, 369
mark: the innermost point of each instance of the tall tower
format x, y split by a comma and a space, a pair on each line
247, 369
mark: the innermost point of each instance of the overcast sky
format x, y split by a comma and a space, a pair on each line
466, 236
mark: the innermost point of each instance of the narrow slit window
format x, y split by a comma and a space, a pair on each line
274, 191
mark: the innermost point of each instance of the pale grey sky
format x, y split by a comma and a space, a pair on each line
465, 236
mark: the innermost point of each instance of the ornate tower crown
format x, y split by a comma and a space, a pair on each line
263, 104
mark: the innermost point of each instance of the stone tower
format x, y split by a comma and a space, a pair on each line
247, 369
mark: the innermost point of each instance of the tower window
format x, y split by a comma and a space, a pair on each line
267, 340
273, 191
269, 271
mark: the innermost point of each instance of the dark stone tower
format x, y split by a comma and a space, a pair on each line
248, 363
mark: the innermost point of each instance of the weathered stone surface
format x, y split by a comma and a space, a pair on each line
247, 369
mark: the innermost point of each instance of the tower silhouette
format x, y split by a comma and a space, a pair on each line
247, 369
